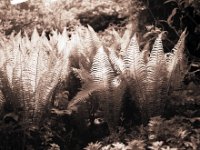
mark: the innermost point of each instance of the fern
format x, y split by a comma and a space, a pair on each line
30, 72
31, 69
101, 87
135, 71
126, 39
90, 42
116, 61
85, 94
101, 70
149, 77
177, 63
88, 87
156, 79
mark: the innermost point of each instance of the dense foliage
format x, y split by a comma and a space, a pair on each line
65, 86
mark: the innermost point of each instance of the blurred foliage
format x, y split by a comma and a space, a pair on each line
59, 14
173, 16
160, 134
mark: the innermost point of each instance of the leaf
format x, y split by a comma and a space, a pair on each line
61, 112
156, 79
45, 89
117, 62
135, 72
11, 117
85, 93
82, 74
101, 70
96, 41
35, 37
126, 39
177, 64
171, 16
169, 1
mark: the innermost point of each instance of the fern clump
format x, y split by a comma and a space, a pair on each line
32, 68
150, 78
30, 71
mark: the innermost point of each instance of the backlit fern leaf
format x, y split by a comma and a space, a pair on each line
126, 39
177, 63
135, 71
116, 61
156, 79
35, 38
100, 88
96, 41
116, 41
101, 70
89, 43
46, 86
85, 94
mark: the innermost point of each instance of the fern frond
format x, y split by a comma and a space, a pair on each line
35, 37
85, 94
82, 74
101, 70
135, 72
177, 63
116, 61
88, 44
116, 40
45, 88
156, 79
126, 39
115, 101
78, 54
133, 62
65, 34
62, 44
7, 90
96, 41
